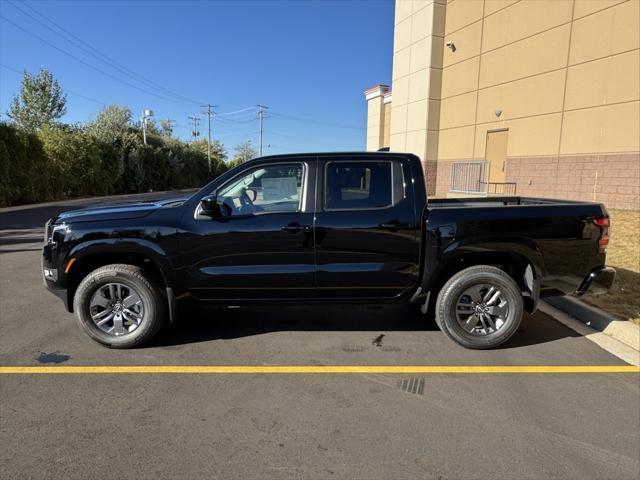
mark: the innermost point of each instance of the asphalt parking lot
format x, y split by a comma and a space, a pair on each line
298, 425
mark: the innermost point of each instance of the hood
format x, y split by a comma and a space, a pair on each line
121, 211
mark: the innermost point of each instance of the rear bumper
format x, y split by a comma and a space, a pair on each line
599, 280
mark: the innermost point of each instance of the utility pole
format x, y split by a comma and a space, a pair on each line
261, 109
169, 124
209, 114
194, 133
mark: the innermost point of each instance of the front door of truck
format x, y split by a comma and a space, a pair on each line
367, 230
262, 244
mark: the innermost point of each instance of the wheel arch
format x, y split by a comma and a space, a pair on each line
522, 269
85, 260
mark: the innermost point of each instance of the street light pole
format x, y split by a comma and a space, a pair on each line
145, 114
144, 129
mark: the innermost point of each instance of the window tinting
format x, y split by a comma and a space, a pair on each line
358, 185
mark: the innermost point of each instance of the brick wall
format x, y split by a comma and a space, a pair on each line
430, 169
443, 179
613, 179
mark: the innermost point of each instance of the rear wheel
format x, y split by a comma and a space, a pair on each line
120, 306
479, 307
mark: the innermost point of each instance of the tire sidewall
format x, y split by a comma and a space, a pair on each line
447, 301
91, 284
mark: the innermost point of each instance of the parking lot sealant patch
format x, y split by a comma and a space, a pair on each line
53, 357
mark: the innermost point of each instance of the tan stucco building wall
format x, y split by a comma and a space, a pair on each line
544, 94
378, 116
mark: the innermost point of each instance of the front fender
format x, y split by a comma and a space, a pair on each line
124, 246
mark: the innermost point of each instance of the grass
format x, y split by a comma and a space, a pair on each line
623, 300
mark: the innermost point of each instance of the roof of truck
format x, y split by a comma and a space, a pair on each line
362, 155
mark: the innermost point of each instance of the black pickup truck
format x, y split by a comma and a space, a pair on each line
329, 227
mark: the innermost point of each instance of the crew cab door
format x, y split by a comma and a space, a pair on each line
262, 247
367, 233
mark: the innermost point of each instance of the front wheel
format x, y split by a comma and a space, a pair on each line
479, 307
119, 306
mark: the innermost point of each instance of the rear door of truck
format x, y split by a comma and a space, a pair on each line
367, 236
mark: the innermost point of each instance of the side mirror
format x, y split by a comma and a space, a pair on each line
209, 206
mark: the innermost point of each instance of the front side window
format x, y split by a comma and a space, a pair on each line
268, 189
358, 185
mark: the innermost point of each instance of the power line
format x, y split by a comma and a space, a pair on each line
318, 122
224, 114
86, 63
78, 42
230, 120
229, 134
66, 90
294, 137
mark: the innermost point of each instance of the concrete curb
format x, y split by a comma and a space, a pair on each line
606, 342
622, 330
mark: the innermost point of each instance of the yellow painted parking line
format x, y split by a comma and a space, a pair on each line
311, 369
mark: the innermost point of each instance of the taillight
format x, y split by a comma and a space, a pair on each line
605, 224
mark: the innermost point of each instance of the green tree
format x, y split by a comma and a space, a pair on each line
244, 152
111, 123
40, 102
80, 159
218, 152
26, 172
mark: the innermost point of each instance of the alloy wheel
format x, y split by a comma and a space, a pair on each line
482, 309
116, 309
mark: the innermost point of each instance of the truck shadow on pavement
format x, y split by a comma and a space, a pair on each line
21, 227
197, 324
25, 218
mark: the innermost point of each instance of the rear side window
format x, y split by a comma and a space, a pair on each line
362, 185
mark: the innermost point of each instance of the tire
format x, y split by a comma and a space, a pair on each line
457, 307
144, 319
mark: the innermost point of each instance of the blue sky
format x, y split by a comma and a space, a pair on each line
309, 61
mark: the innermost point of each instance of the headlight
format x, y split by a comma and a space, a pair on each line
47, 231
50, 231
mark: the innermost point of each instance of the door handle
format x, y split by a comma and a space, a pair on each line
295, 228
393, 225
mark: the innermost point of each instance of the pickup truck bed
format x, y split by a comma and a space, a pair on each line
499, 202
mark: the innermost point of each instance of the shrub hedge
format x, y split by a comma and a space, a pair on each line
67, 161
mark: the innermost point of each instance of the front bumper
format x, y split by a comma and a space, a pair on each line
61, 293
50, 280
598, 281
